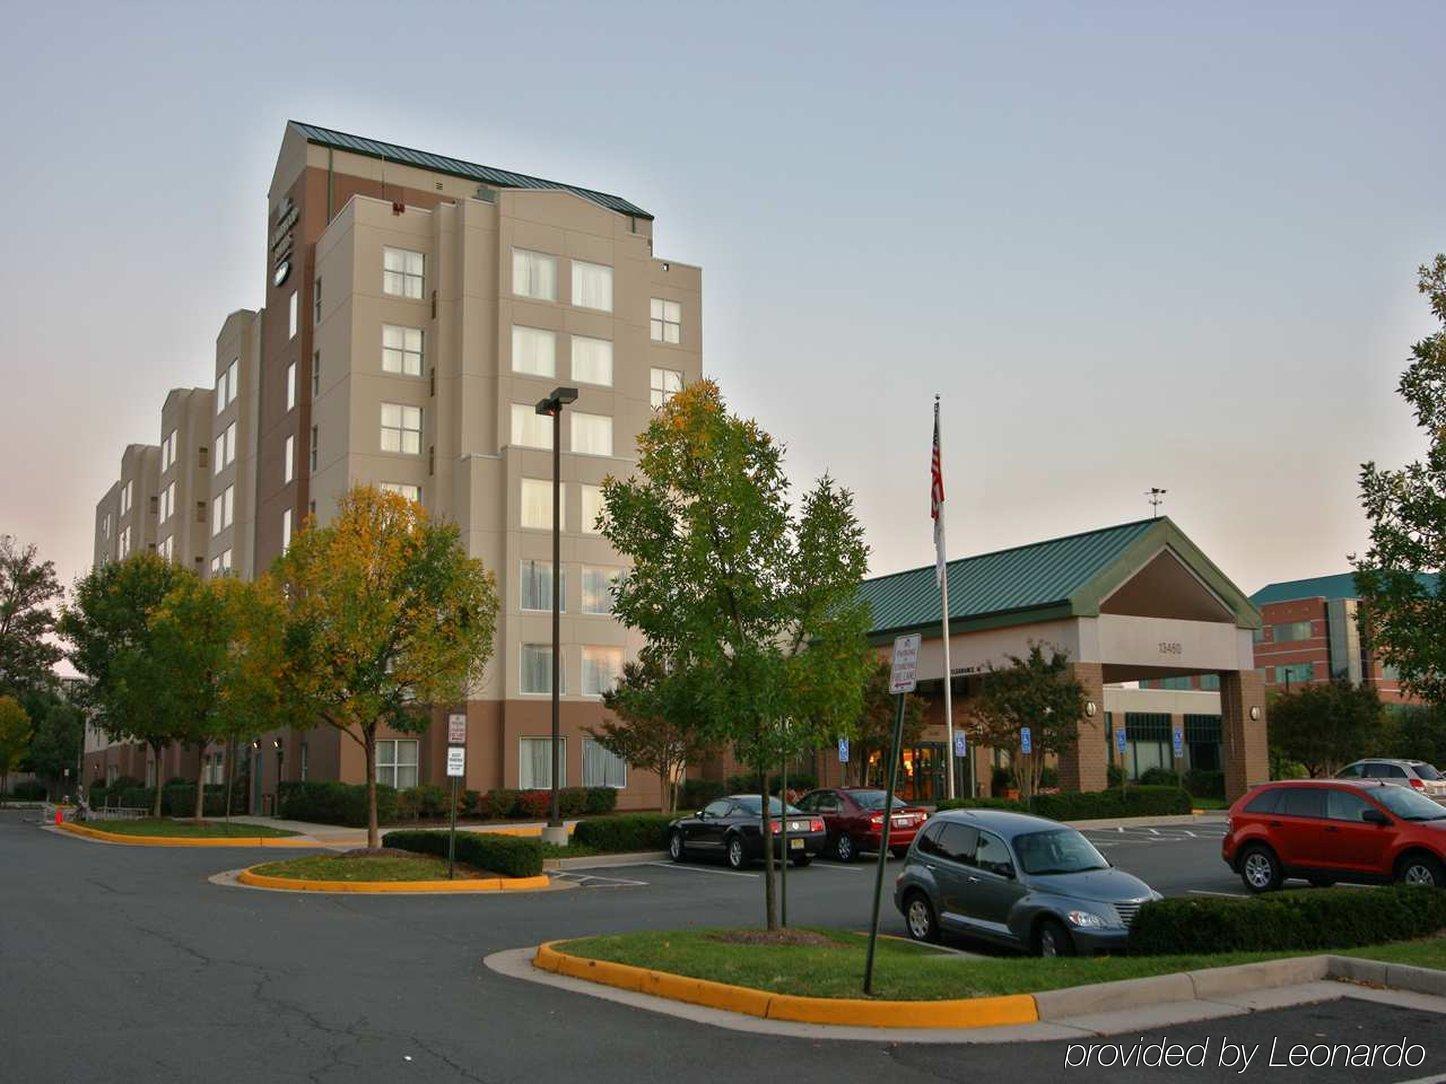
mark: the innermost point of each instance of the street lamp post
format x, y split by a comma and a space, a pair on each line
556, 831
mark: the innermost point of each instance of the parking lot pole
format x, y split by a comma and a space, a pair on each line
783, 831
452, 836
895, 750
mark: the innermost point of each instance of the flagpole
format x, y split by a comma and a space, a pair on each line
944, 608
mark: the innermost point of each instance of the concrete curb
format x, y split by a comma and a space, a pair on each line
1164, 821
1418, 980
603, 861
1204, 984
484, 884
188, 841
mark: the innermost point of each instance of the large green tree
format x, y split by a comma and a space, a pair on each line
28, 588
385, 616
1035, 691
14, 737
1326, 725
110, 629
647, 729
747, 596
58, 734
1405, 611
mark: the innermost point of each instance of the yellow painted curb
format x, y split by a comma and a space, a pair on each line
483, 884
189, 841
973, 1012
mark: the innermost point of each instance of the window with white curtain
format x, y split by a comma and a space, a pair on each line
397, 762
597, 589
168, 502
534, 763
534, 275
165, 548
401, 350
225, 448
411, 492
592, 507
402, 272
534, 351
666, 323
401, 428
592, 286
221, 563
293, 309
663, 384
529, 428
125, 543
536, 504
601, 768
601, 667
592, 434
285, 529
592, 360
289, 455
168, 451
291, 386
223, 509
536, 676
127, 496
536, 586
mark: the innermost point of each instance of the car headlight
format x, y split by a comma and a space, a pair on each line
1086, 920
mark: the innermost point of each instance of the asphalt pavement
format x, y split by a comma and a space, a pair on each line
127, 964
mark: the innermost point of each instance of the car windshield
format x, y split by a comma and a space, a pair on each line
1407, 804
1426, 771
1060, 850
874, 799
750, 803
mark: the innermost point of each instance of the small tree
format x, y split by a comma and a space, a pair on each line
1404, 611
1036, 691
1326, 725
648, 731
14, 737
27, 588
58, 734
875, 730
750, 602
385, 615
1417, 732
109, 626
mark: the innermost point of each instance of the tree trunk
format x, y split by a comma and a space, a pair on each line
770, 901
200, 812
156, 804
369, 742
230, 775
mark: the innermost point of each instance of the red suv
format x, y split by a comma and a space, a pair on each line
1333, 830
855, 820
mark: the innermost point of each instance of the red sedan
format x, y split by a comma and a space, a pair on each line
854, 817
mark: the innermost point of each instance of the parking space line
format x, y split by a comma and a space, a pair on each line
845, 869
702, 869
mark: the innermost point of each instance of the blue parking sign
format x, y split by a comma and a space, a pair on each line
843, 750
1120, 739
1026, 740
1179, 744
961, 744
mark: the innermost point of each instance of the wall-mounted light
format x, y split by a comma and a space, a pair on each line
1255, 714
1091, 708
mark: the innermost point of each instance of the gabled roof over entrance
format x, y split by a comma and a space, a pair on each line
1074, 576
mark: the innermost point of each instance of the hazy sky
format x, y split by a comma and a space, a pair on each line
1130, 244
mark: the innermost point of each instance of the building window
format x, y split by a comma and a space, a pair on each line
227, 385
592, 508
534, 275
666, 324
313, 451
536, 677
397, 762
316, 302
592, 360
663, 384
401, 429
168, 502
127, 493
1300, 673
536, 504
315, 373
529, 428
536, 587
291, 386
305, 766
601, 768
411, 492
600, 669
285, 529
165, 547
215, 769
293, 309
592, 434
1295, 630
125, 542
534, 351
534, 763
290, 456
597, 589
225, 448
592, 286
401, 350
168, 451
402, 272
221, 563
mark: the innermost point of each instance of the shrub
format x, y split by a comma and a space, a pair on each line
624, 832
1157, 777
1013, 804
1205, 784
499, 804
1001, 780
533, 804
135, 797
1317, 919
469, 803
335, 803
570, 801
1133, 801
697, 793
28, 790
510, 856
431, 800
1049, 777
179, 800
600, 800
1115, 776
746, 783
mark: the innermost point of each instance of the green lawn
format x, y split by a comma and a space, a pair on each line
343, 867
1209, 803
163, 826
910, 972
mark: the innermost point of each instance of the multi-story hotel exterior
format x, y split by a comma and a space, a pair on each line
416, 309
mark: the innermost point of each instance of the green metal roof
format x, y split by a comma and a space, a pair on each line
1060, 577
438, 163
1342, 585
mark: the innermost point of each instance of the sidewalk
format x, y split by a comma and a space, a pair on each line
342, 837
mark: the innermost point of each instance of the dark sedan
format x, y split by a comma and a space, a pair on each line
854, 820
732, 828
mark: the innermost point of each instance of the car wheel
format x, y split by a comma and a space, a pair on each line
737, 858
1260, 869
919, 918
675, 846
898, 852
845, 848
1052, 939
802, 859
1421, 869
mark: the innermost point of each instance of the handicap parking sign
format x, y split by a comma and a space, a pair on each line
1026, 740
961, 744
843, 750
1179, 743
1120, 739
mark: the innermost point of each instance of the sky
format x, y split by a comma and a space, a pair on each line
1129, 245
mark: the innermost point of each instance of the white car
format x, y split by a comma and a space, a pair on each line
1416, 774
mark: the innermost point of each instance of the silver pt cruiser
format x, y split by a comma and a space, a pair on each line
1017, 880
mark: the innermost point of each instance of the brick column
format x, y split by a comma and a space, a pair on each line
1085, 766
1247, 756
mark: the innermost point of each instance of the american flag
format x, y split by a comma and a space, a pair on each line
936, 499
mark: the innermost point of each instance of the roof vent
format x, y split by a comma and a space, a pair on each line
486, 194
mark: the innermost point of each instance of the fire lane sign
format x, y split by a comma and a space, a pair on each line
904, 675
456, 760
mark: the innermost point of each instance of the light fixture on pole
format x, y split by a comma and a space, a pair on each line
556, 831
